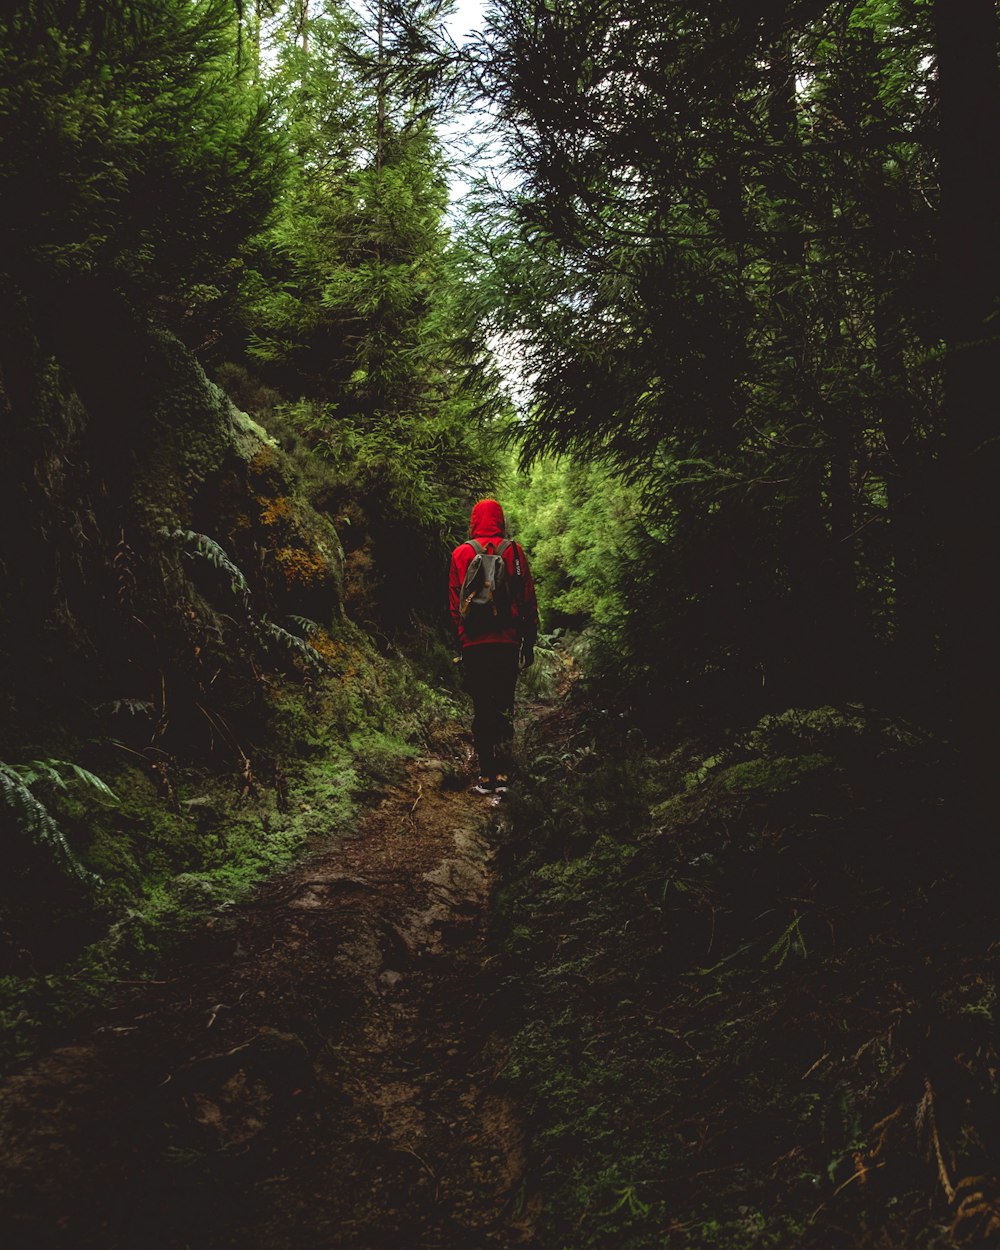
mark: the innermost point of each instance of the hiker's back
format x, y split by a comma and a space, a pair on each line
487, 596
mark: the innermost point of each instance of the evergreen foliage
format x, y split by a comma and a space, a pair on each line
718, 263
576, 520
259, 191
134, 153
358, 309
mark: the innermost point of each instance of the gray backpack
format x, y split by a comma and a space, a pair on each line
486, 600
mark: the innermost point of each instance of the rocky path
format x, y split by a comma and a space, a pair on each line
324, 1077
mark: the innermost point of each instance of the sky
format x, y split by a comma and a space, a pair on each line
466, 18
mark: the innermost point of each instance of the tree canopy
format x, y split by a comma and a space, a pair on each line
723, 258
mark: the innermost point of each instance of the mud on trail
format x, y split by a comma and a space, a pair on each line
326, 1079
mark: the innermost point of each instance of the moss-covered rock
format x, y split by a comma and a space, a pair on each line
208, 467
189, 436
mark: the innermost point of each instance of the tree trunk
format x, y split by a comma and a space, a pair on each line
823, 571
969, 91
908, 521
380, 87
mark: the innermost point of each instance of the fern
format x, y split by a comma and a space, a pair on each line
208, 549
201, 546
134, 707
48, 770
39, 770
32, 818
307, 626
293, 643
92, 780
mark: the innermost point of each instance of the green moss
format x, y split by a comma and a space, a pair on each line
381, 753
772, 776
194, 436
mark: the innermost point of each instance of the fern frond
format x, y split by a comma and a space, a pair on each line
134, 707
32, 818
208, 549
307, 626
49, 770
92, 780
293, 643
39, 770
205, 548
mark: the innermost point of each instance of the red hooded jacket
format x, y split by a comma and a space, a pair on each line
487, 526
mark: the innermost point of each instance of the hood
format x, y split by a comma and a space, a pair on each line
487, 520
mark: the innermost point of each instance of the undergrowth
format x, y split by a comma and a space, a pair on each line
163, 865
25, 814
752, 995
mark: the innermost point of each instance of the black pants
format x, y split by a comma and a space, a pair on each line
489, 672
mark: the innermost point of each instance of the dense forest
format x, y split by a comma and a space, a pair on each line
706, 295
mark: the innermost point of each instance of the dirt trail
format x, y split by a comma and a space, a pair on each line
323, 1079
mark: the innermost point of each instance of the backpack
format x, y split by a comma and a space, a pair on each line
486, 599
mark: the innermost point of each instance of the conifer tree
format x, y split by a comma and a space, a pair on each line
969, 85
717, 257
357, 305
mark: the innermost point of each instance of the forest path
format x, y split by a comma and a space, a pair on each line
324, 1078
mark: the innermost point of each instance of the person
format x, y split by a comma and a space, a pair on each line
493, 641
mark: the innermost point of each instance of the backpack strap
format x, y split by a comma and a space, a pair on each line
480, 550
518, 578
518, 557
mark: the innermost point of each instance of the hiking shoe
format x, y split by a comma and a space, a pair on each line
501, 784
485, 785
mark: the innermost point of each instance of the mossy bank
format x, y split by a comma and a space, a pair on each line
199, 663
